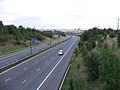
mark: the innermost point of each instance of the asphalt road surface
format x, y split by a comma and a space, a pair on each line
42, 72
12, 57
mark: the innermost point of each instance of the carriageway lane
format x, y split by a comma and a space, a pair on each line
7, 59
29, 75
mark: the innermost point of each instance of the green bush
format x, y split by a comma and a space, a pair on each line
112, 34
110, 69
118, 39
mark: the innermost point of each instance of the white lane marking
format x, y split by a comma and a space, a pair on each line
64, 77
24, 81
38, 69
55, 66
22, 51
12, 54
27, 60
25, 68
7, 79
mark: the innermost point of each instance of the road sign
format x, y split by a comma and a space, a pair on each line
34, 40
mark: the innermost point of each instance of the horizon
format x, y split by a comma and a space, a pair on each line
57, 14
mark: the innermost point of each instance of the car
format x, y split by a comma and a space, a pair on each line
60, 52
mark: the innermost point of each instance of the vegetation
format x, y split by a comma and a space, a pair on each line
75, 79
118, 39
110, 69
98, 49
59, 33
12, 37
18, 35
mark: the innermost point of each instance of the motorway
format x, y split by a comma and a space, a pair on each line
12, 57
42, 72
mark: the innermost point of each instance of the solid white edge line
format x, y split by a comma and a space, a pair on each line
27, 60
19, 52
24, 81
7, 79
64, 78
25, 68
55, 67
9, 55
38, 69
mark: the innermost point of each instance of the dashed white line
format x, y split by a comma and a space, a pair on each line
7, 79
24, 81
24, 61
38, 69
55, 67
25, 68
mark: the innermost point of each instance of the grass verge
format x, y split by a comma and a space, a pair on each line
8, 50
77, 77
16, 48
27, 58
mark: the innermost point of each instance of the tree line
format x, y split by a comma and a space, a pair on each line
20, 35
101, 59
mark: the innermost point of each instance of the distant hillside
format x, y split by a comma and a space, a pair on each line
15, 37
20, 35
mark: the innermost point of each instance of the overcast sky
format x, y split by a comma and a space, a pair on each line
83, 14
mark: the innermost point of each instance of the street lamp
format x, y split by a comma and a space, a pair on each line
58, 38
50, 42
31, 42
118, 24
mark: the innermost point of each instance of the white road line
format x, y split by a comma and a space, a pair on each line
24, 81
26, 60
12, 54
55, 66
38, 69
64, 77
25, 68
7, 79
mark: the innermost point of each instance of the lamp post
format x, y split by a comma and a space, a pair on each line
31, 42
50, 42
58, 38
118, 24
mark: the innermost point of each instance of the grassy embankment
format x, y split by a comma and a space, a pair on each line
24, 59
77, 77
9, 47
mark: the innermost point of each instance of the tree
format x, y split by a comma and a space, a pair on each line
93, 65
112, 34
1, 28
48, 33
76, 51
71, 86
118, 39
110, 69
